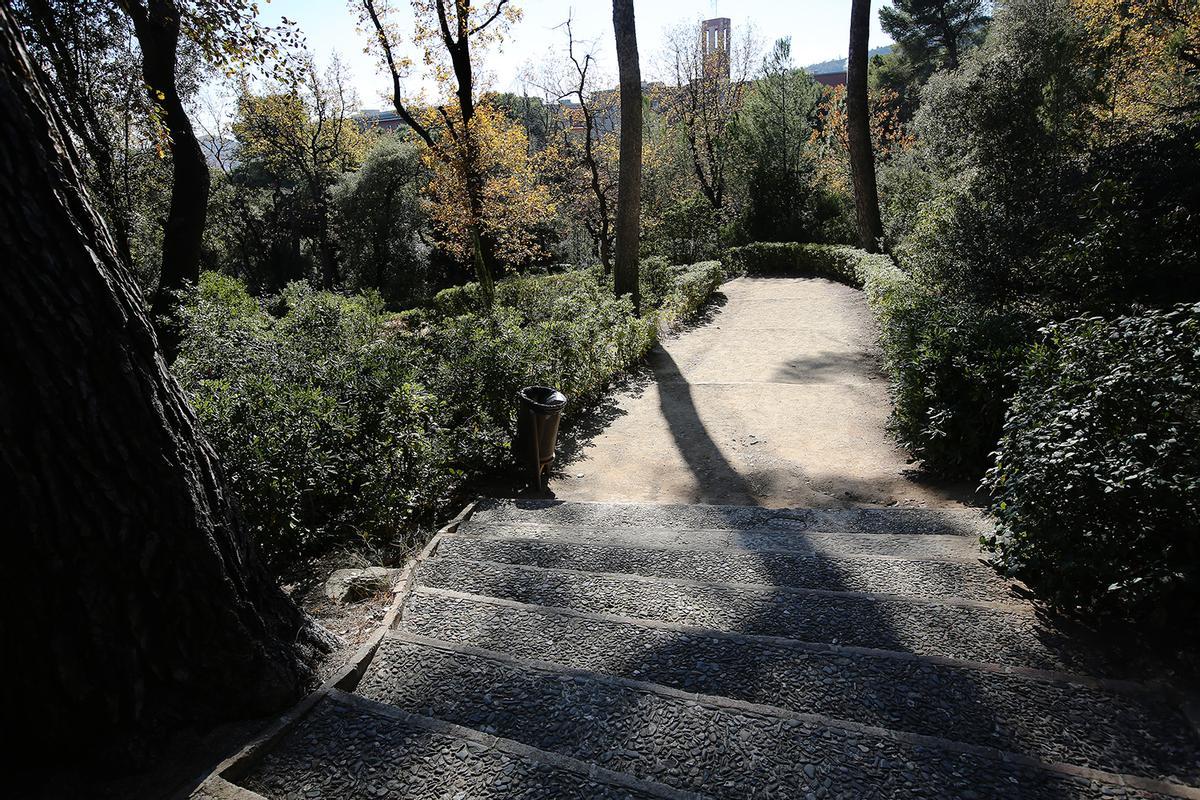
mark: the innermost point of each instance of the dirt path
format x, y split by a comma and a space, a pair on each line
778, 401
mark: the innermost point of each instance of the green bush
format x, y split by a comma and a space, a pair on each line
336, 421
690, 291
1096, 482
531, 293
837, 262
656, 278
951, 366
323, 428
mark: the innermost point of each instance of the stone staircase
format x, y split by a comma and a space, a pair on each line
561, 650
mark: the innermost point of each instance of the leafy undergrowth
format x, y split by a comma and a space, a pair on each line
339, 424
1097, 476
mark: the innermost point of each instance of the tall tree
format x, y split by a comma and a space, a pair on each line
157, 25
858, 123
773, 135
226, 34
302, 136
709, 89
448, 33
935, 32
586, 129
140, 604
629, 179
85, 49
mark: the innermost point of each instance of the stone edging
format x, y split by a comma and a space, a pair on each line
344, 680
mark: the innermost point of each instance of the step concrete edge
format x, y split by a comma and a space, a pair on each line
477, 527
1056, 677
1018, 606
476, 535
971, 519
514, 748
242, 762
741, 706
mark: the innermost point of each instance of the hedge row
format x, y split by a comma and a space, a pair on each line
337, 422
675, 292
1096, 482
840, 263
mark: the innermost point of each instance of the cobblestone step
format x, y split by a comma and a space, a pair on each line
889, 575
1050, 717
717, 746
349, 747
952, 546
963, 522
953, 629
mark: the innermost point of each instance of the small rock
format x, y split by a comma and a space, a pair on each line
350, 585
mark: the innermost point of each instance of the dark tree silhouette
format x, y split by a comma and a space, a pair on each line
629, 177
157, 25
862, 159
136, 601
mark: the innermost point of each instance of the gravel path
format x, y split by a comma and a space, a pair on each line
685, 743
347, 749
778, 401
915, 578
822, 543
976, 633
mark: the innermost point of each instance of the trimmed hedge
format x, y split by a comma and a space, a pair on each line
690, 291
336, 421
675, 292
530, 293
841, 263
1096, 482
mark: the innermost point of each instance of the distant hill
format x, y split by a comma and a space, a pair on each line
839, 64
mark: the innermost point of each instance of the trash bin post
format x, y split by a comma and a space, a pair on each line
539, 409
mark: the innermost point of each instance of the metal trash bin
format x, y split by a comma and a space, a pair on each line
539, 409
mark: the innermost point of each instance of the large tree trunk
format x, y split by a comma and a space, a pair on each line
135, 600
862, 159
327, 249
629, 177
157, 27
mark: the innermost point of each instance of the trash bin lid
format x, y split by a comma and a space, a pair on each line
542, 398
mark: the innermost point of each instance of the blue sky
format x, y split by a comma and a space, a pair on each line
819, 31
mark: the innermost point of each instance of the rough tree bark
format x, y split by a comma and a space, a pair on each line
629, 176
862, 159
157, 27
136, 601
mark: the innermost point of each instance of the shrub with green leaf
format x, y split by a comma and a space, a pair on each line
688, 292
1096, 482
336, 421
323, 426
951, 365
